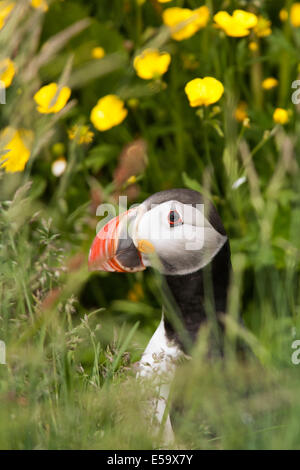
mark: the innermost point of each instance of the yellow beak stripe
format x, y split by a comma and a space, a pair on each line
144, 246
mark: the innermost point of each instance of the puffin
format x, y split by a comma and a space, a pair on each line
179, 233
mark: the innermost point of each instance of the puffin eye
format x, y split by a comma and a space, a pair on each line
174, 218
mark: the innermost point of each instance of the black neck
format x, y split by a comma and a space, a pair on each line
189, 292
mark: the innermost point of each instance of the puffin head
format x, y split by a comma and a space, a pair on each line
175, 231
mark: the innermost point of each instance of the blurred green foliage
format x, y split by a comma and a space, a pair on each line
72, 336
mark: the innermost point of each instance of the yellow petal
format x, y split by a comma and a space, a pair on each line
223, 19
240, 113
263, 27
7, 72
253, 46
281, 116
98, 52
184, 22
17, 143
283, 14
6, 8
237, 25
151, 64
40, 4
295, 14
269, 83
50, 99
246, 19
108, 112
204, 91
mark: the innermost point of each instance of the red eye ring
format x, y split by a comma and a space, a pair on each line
174, 218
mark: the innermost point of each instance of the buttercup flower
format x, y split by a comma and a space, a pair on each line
151, 63
131, 180
253, 46
15, 149
269, 83
295, 14
108, 112
280, 116
263, 27
59, 166
203, 91
41, 4
240, 113
7, 72
237, 25
5, 9
164, 1
98, 52
82, 134
283, 14
51, 99
194, 19
136, 293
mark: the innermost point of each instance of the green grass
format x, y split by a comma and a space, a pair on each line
72, 337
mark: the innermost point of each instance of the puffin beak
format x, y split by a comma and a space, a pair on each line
113, 249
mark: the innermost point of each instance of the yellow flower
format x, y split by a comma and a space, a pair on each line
5, 9
203, 91
164, 1
108, 112
283, 14
240, 113
295, 14
136, 293
281, 116
237, 25
42, 4
59, 166
51, 99
7, 72
263, 27
192, 20
98, 52
131, 180
269, 83
253, 46
82, 134
15, 149
151, 63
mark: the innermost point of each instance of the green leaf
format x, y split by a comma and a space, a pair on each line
195, 185
100, 155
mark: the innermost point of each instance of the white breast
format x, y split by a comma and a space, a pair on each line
159, 363
160, 355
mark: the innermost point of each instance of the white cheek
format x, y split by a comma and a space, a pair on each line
180, 249
156, 229
152, 226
